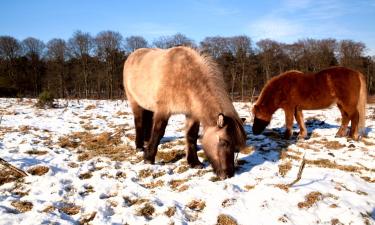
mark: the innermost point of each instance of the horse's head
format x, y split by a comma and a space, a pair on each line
220, 142
261, 119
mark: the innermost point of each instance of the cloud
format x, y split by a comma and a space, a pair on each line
297, 19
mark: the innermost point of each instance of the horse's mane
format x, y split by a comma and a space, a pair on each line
214, 83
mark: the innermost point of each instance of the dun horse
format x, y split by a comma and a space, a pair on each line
294, 91
159, 83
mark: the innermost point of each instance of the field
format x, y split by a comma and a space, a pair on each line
82, 168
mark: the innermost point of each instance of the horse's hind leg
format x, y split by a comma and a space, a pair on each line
147, 124
288, 123
354, 118
301, 123
138, 113
344, 122
158, 129
192, 130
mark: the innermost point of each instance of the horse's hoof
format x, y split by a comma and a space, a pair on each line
198, 165
148, 161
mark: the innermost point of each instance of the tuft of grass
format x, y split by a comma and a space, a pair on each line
285, 168
228, 202
174, 184
22, 206
84, 176
223, 219
147, 211
170, 211
89, 107
137, 201
154, 184
196, 205
249, 187
170, 156
310, 199
144, 173
283, 187
49, 209
35, 152
38, 170
182, 169
70, 209
45, 99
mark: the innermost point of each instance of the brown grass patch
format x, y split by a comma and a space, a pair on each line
87, 218
137, 201
310, 199
158, 174
36, 152
247, 150
196, 205
170, 156
49, 209
182, 169
223, 219
22, 206
144, 173
84, 176
369, 179
283, 187
70, 209
38, 170
175, 183
336, 221
285, 168
333, 145
154, 184
170, 211
147, 211
89, 107
249, 187
228, 202
120, 113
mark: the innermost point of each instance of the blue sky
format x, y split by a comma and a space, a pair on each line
284, 20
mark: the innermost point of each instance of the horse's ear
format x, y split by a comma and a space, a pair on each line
221, 121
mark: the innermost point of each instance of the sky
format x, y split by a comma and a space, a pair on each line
284, 20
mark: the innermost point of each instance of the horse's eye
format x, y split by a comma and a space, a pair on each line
223, 143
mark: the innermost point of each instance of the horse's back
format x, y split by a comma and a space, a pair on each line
142, 76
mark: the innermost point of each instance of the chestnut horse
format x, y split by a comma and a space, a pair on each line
160, 83
294, 91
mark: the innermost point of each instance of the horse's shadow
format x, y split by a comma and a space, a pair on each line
269, 145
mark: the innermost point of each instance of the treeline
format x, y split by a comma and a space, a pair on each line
86, 66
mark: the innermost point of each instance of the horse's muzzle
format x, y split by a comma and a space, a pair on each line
259, 125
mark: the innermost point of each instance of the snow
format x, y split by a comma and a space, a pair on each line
252, 196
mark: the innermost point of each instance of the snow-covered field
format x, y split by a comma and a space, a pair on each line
87, 171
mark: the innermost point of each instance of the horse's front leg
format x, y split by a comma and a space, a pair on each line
158, 129
288, 123
301, 123
192, 130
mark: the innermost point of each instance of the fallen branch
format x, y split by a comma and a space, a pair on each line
299, 175
20, 172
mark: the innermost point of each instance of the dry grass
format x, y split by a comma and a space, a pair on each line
247, 150
38, 170
196, 205
154, 184
89, 107
223, 219
22, 206
35, 152
173, 184
147, 211
182, 169
310, 199
84, 176
228, 202
137, 201
170, 156
285, 168
283, 187
170, 211
49, 209
87, 218
333, 145
70, 209
144, 173
369, 179
249, 187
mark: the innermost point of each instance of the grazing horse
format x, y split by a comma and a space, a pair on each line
294, 91
160, 83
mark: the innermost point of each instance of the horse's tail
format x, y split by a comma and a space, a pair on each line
361, 106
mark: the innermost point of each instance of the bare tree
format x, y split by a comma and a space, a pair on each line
10, 49
133, 43
34, 49
57, 54
108, 46
174, 40
215, 46
269, 51
81, 46
351, 53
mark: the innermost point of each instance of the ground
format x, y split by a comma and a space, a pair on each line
82, 168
